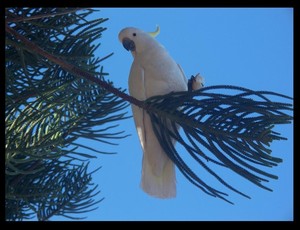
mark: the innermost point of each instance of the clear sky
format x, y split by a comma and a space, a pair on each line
252, 48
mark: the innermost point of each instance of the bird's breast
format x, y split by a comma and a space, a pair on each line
162, 76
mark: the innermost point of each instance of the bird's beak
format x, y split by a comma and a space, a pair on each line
128, 44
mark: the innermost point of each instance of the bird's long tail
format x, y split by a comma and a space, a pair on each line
158, 171
162, 185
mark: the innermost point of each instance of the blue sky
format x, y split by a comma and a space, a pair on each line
245, 47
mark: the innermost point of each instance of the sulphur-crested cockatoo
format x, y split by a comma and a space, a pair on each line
153, 72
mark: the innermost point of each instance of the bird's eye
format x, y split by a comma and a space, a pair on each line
134, 34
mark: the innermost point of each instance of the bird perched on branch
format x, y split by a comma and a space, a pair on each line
153, 72
236, 127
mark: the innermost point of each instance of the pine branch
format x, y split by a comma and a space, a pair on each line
73, 195
235, 128
61, 188
40, 16
31, 47
48, 109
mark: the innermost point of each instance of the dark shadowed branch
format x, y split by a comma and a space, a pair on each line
234, 124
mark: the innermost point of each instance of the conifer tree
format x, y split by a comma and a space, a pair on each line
48, 108
56, 93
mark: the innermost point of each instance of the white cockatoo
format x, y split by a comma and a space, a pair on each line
153, 72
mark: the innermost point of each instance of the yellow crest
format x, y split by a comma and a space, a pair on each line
155, 33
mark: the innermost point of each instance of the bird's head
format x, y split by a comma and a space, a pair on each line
136, 40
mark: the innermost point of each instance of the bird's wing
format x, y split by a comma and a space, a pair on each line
137, 90
154, 153
183, 75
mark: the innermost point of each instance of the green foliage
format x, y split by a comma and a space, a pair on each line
47, 109
236, 127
